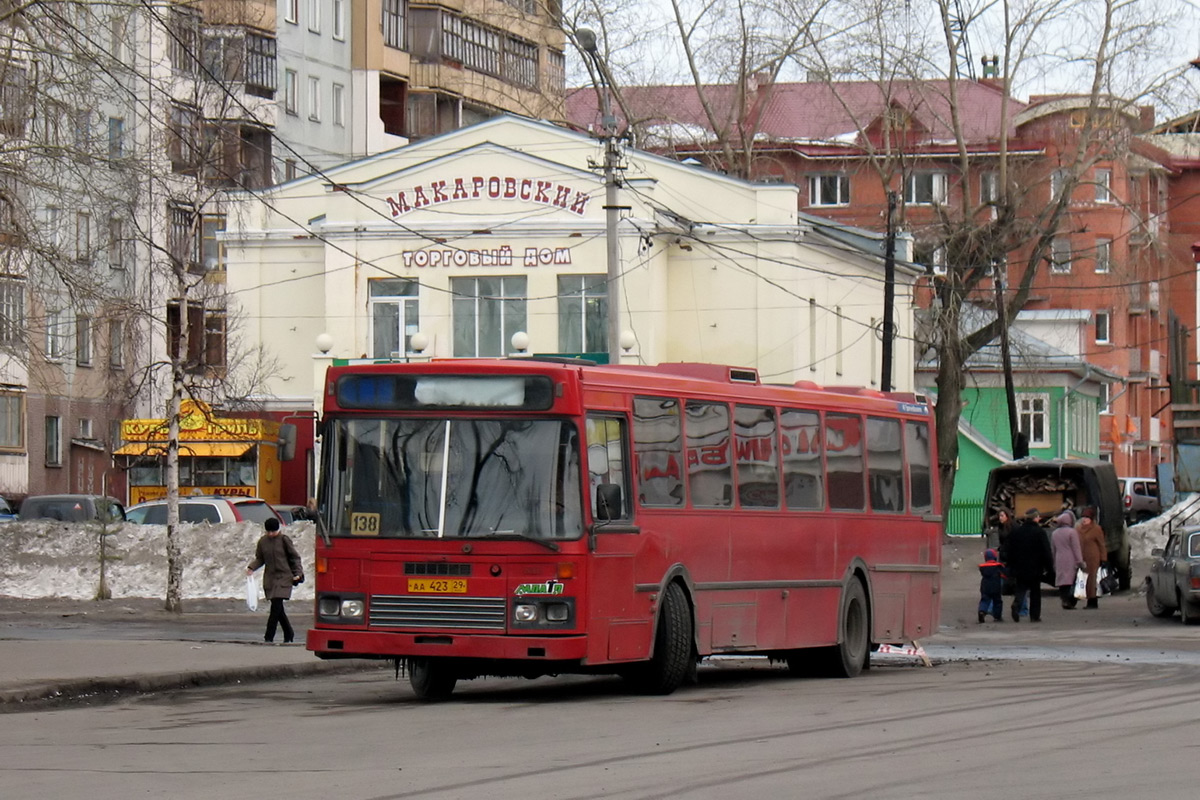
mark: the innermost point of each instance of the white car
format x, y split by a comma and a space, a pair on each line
204, 509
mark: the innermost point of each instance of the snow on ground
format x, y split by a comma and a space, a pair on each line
43, 558
1153, 533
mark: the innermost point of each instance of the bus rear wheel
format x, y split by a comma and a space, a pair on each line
431, 679
672, 661
850, 656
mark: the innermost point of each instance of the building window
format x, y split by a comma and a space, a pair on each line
1105, 398
14, 99
1102, 327
394, 23
116, 138
314, 16
212, 249
339, 19
118, 28
183, 140
989, 187
260, 66
582, 313
53, 441
291, 11
83, 340
828, 190
291, 90
338, 102
12, 420
116, 243
289, 169
1060, 256
206, 336
314, 98
86, 429
486, 313
184, 40
181, 237
116, 344
1103, 180
1058, 181
471, 44
394, 316
12, 311
556, 72
1103, 255
1033, 417
58, 334
83, 236
925, 189
520, 62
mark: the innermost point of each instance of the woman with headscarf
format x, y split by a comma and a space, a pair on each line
1068, 557
1094, 549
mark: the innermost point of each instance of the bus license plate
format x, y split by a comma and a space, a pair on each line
437, 585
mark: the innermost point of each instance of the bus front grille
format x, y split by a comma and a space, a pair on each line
412, 611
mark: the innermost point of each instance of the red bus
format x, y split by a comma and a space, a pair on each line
526, 517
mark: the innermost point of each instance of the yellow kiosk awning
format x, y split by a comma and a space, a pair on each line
188, 449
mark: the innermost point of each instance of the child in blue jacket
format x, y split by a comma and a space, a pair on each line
991, 585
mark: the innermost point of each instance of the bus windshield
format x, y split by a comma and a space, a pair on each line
452, 478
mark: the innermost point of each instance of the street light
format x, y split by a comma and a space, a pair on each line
586, 39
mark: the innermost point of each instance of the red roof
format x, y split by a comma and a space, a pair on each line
825, 112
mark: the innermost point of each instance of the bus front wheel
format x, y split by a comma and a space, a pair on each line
672, 661
431, 679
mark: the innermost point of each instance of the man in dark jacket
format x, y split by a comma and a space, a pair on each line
282, 570
1027, 554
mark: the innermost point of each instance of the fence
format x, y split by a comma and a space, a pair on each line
965, 517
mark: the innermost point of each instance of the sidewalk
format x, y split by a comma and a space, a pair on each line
57, 650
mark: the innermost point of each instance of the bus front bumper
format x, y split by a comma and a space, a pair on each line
328, 643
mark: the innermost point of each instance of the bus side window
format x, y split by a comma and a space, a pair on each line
608, 485
920, 470
800, 450
710, 479
844, 462
755, 454
885, 465
658, 448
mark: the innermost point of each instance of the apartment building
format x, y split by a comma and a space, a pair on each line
856, 148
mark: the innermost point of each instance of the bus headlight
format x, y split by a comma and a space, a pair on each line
341, 609
557, 613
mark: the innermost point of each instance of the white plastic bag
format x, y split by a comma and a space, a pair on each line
251, 593
1080, 585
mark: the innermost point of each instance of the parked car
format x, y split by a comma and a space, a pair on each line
1051, 485
72, 508
6, 512
1140, 496
291, 514
204, 508
1174, 580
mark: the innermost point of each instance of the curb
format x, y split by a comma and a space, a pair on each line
104, 690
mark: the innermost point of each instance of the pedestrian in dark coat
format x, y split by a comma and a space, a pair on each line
282, 570
1027, 555
991, 585
1095, 550
1068, 558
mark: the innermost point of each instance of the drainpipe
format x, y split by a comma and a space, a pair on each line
1066, 402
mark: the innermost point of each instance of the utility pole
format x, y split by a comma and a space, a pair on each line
612, 211
889, 294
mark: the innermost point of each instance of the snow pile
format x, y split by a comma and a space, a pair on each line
1152, 533
44, 558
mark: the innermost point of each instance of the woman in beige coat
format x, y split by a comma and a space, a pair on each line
1095, 548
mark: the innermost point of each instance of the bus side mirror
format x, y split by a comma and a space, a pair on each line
287, 441
608, 502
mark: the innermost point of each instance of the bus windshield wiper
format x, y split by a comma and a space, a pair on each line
522, 536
